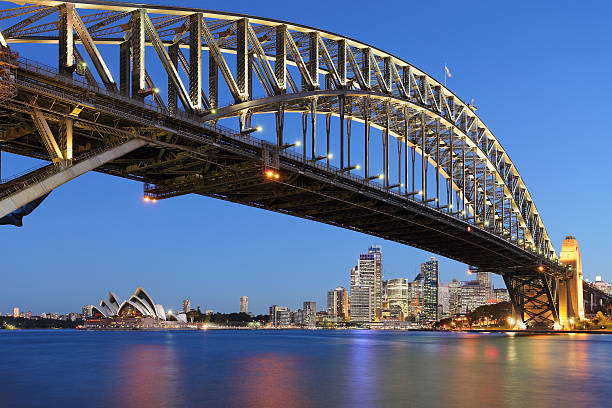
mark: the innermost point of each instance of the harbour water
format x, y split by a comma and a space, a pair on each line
299, 368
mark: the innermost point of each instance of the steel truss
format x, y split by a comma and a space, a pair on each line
292, 71
535, 298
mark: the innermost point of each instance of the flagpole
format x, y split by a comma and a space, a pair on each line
445, 75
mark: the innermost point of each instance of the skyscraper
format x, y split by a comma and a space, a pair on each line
415, 291
186, 305
376, 251
337, 303
429, 270
15, 312
361, 304
244, 304
366, 269
453, 297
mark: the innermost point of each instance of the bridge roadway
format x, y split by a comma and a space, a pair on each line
76, 116
235, 170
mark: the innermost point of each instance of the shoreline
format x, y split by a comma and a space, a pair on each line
480, 331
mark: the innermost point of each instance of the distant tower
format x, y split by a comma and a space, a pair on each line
571, 303
337, 303
15, 312
244, 304
186, 305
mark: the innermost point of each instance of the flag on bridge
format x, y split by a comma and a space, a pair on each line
447, 71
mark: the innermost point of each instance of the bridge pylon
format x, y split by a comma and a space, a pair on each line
571, 304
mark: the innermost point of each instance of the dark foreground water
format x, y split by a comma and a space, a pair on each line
302, 369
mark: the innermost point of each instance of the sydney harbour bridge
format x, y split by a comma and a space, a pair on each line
358, 137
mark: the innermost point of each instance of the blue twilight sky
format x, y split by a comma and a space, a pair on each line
539, 72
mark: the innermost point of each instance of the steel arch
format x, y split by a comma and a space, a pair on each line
338, 73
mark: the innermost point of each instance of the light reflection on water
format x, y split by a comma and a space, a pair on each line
303, 369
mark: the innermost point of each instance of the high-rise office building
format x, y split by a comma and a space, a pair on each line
443, 301
186, 305
429, 270
337, 303
453, 297
396, 296
244, 304
366, 277
310, 313
472, 295
362, 309
484, 279
415, 290
15, 312
376, 251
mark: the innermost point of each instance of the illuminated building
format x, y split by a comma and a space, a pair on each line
472, 295
453, 297
186, 305
396, 297
363, 277
15, 312
279, 316
139, 311
415, 290
337, 303
601, 285
362, 309
244, 304
376, 251
310, 313
484, 279
429, 270
443, 301
501, 295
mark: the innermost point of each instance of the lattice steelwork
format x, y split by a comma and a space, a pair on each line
451, 177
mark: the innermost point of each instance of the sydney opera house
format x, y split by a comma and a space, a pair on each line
139, 311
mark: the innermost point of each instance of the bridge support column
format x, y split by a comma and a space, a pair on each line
571, 303
534, 300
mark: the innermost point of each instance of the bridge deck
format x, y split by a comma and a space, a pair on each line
184, 156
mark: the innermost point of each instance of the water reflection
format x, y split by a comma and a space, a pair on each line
267, 380
147, 375
307, 369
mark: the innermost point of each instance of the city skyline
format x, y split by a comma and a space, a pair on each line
94, 199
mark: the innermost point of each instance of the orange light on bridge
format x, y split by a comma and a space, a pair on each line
272, 174
469, 229
541, 268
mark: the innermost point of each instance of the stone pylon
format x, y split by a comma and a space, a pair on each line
571, 304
